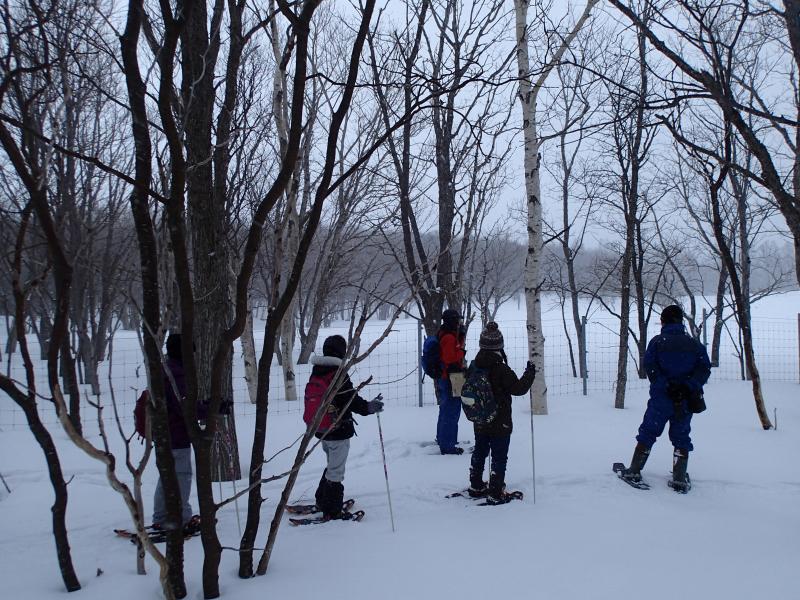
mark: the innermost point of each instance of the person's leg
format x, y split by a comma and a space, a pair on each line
183, 470
159, 506
320, 497
680, 430
497, 478
477, 486
655, 418
680, 427
336, 451
447, 424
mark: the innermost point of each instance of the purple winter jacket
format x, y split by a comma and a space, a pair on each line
177, 428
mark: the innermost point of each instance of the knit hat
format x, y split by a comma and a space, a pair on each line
450, 319
334, 345
673, 314
491, 338
174, 350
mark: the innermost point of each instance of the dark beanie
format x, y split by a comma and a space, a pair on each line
450, 319
673, 314
491, 338
174, 350
334, 345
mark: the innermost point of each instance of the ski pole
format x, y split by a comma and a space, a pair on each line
533, 458
3, 479
385, 471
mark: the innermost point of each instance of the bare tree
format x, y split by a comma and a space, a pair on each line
713, 46
530, 86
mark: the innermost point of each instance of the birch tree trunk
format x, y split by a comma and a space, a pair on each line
249, 356
528, 93
292, 222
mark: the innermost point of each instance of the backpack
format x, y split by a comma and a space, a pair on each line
140, 413
315, 393
431, 361
477, 398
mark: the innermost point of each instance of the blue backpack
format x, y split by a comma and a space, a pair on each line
431, 359
477, 398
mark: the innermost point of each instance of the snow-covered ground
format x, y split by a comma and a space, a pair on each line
736, 535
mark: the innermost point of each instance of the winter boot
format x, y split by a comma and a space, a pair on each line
321, 495
680, 479
634, 472
453, 450
497, 489
333, 507
477, 486
192, 526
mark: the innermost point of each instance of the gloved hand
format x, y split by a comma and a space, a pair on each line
677, 391
374, 406
226, 407
530, 367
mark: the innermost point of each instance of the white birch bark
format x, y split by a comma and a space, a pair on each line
292, 222
249, 355
528, 93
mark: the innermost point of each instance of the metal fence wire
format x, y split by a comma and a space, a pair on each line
394, 365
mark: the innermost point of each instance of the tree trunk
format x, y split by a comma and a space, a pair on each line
624, 322
716, 340
249, 356
59, 508
742, 305
533, 282
528, 93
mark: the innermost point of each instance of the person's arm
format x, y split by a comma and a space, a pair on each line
451, 351
702, 369
346, 392
651, 365
516, 386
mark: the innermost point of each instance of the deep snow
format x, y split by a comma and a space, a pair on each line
736, 535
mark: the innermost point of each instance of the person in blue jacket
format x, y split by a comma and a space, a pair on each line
677, 366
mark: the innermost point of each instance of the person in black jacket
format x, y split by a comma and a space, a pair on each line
496, 436
336, 440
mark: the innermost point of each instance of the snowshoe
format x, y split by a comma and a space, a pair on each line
345, 516
632, 479
682, 487
310, 509
505, 498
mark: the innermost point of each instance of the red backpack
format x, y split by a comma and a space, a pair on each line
140, 413
315, 393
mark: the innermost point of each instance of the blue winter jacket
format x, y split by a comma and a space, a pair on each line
674, 355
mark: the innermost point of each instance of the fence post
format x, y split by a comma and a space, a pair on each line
419, 366
705, 331
584, 362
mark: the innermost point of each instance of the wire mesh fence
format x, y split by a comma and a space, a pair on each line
394, 365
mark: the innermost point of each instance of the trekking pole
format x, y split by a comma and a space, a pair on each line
533, 458
385, 471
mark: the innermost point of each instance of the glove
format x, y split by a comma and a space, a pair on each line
374, 406
677, 392
226, 407
530, 367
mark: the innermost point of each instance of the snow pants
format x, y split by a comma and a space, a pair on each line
498, 446
330, 491
660, 409
183, 469
449, 412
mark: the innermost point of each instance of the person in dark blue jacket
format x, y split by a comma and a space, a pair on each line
677, 366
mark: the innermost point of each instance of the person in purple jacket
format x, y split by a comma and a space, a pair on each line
179, 437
